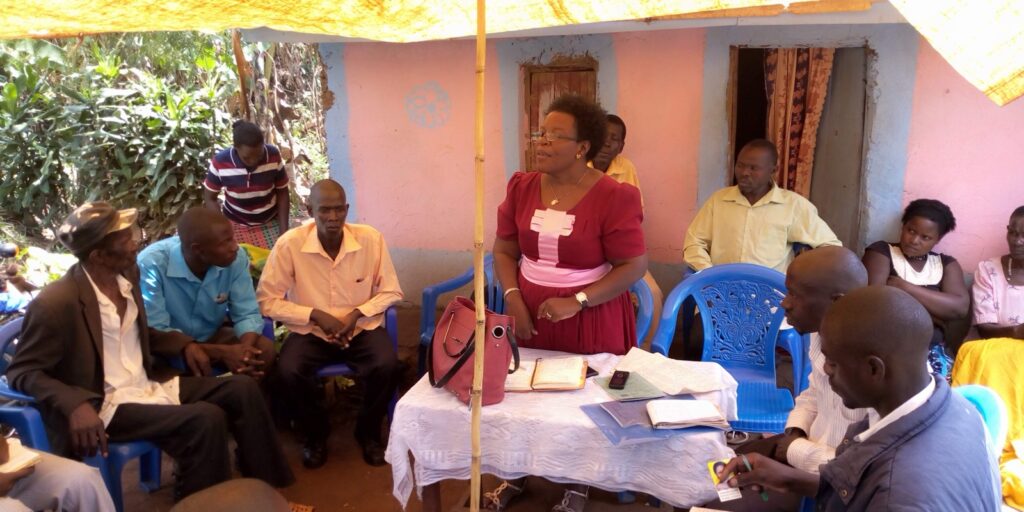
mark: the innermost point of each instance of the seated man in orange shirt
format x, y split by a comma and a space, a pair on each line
330, 283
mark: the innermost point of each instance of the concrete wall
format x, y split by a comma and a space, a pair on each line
400, 134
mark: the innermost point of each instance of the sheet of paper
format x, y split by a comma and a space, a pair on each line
628, 414
637, 388
521, 379
671, 376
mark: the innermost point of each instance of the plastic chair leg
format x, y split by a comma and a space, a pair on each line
149, 471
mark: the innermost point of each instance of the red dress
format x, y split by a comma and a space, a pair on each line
605, 225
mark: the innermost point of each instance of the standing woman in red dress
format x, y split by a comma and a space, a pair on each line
569, 241
569, 246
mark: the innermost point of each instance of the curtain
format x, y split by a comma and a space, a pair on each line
796, 82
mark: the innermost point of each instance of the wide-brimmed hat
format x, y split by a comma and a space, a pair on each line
88, 224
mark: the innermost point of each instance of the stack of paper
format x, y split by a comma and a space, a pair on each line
668, 414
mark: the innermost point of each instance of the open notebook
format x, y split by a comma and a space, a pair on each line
549, 374
20, 457
665, 414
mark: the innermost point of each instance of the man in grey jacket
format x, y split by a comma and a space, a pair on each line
875, 340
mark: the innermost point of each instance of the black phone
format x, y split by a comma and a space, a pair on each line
619, 379
591, 372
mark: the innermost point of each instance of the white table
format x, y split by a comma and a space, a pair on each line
546, 434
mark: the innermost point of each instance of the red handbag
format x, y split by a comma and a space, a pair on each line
451, 351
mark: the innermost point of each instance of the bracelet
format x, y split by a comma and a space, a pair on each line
510, 290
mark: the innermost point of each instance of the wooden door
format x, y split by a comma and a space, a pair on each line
543, 85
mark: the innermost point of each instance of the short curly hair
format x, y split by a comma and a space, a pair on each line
933, 210
591, 120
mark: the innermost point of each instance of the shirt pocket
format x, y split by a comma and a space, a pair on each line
769, 232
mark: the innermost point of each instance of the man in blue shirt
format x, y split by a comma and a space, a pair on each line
194, 281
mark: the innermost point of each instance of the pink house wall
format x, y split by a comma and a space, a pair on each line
965, 151
660, 100
413, 182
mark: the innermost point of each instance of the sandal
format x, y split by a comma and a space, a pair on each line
499, 497
568, 497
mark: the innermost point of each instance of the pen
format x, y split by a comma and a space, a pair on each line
764, 493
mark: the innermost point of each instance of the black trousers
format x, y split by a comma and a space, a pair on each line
195, 433
297, 389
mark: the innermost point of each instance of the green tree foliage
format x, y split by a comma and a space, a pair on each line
131, 119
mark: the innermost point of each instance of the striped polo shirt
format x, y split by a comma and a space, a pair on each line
250, 193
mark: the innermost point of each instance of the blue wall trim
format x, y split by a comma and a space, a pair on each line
336, 123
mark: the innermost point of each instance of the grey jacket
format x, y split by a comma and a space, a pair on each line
934, 459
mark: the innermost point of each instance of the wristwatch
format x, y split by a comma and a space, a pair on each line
582, 299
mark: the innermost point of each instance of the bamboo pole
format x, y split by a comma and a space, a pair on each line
478, 260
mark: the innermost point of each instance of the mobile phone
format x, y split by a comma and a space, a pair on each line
619, 379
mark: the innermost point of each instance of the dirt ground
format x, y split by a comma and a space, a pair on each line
346, 483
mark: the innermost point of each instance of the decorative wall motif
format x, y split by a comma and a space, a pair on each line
428, 105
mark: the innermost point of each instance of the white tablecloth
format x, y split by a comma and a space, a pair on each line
546, 434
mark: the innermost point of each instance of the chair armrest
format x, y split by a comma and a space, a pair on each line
669, 310
10, 394
391, 325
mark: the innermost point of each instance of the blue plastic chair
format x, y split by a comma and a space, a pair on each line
739, 305
344, 370
494, 298
993, 413
29, 424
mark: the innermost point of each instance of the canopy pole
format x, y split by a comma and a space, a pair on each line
478, 260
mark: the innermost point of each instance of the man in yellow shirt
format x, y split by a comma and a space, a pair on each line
610, 160
330, 283
754, 221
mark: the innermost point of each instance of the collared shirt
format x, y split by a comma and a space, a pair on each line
728, 229
299, 276
124, 377
622, 170
936, 456
177, 300
820, 413
875, 423
250, 193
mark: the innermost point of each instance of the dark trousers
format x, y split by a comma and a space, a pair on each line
195, 433
370, 355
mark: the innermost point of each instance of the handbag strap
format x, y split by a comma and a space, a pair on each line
464, 356
459, 363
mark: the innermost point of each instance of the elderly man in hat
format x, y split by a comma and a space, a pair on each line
86, 355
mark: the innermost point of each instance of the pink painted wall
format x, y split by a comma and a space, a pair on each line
415, 183
965, 151
660, 100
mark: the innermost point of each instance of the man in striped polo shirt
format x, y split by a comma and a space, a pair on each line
255, 186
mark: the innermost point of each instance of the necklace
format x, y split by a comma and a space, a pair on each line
556, 200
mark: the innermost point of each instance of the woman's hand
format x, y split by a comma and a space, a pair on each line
557, 309
524, 324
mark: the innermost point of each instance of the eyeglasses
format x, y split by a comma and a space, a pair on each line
548, 138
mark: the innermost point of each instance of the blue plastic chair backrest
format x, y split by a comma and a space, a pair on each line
8, 333
993, 413
740, 307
